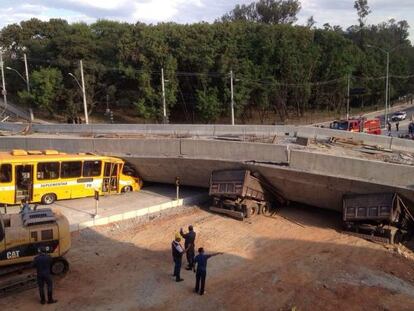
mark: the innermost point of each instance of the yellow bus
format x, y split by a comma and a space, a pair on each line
47, 176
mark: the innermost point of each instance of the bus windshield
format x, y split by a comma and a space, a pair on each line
129, 170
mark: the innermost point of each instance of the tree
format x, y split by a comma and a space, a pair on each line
310, 22
266, 11
46, 86
208, 104
362, 10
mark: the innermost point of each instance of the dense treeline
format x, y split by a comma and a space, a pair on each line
280, 69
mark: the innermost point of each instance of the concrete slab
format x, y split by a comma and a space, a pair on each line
118, 207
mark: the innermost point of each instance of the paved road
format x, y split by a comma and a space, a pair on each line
403, 125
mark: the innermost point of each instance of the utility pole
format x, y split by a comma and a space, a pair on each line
386, 87
3, 80
27, 73
164, 107
85, 107
232, 97
347, 99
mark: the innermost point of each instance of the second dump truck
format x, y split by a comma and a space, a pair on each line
241, 194
382, 217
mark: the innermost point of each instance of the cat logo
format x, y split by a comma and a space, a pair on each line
13, 254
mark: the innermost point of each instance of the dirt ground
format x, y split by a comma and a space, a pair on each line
294, 261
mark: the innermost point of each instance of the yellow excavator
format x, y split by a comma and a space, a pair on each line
22, 236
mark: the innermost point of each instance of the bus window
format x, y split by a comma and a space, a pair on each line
71, 169
5, 173
92, 168
111, 168
48, 170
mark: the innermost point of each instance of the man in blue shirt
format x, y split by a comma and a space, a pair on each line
42, 263
200, 262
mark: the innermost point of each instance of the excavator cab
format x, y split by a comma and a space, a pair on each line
23, 234
1, 234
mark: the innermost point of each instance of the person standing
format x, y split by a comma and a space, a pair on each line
42, 263
397, 126
389, 126
177, 254
201, 272
190, 245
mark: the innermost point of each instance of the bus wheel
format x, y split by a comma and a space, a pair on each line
127, 189
48, 198
59, 266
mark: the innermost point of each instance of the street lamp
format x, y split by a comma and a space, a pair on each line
21, 76
85, 107
387, 52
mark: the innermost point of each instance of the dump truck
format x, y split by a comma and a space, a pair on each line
22, 235
241, 194
381, 217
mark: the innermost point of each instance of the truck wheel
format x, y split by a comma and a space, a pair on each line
254, 209
59, 266
397, 237
48, 198
266, 210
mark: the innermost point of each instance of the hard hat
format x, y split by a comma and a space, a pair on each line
177, 235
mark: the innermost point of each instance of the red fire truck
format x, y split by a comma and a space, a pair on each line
372, 126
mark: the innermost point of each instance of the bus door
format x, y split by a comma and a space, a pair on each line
7, 195
110, 181
24, 182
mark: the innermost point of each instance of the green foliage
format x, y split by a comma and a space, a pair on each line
265, 11
46, 87
208, 104
277, 66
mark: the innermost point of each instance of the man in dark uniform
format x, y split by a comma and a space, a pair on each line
177, 254
190, 245
42, 263
201, 262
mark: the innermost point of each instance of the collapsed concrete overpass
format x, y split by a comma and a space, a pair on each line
161, 153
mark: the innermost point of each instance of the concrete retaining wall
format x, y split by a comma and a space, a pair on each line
358, 169
234, 151
139, 213
212, 130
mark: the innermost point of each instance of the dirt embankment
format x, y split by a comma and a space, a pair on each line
300, 261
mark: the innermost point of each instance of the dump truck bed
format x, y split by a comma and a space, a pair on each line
236, 183
375, 207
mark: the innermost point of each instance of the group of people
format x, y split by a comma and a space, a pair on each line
196, 263
397, 126
74, 120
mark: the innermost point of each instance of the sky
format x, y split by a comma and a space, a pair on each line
334, 12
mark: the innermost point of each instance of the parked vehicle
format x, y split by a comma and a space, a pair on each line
382, 217
49, 175
239, 194
22, 235
399, 116
363, 125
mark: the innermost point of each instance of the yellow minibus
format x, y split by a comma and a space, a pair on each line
49, 175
